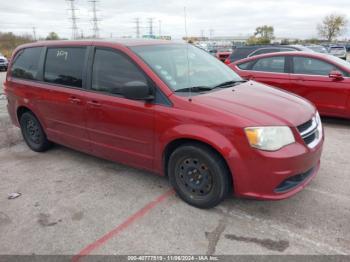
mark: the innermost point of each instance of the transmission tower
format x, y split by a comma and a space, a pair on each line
95, 29
137, 27
34, 33
75, 33
150, 22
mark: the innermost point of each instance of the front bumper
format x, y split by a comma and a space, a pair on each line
276, 175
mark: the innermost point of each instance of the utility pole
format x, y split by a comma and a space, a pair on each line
34, 33
150, 22
75, 33
202, 34
211, 33
95, 29
137, 27
160, 27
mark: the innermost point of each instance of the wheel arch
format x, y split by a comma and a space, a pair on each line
21, 110
210, 138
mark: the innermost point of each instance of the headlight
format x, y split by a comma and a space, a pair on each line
270, 138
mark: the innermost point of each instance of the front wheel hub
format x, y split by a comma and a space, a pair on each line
195, 176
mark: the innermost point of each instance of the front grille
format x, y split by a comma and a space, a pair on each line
311, 132
293, 181
305, 126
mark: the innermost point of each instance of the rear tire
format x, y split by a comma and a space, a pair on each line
33, 133
199, 175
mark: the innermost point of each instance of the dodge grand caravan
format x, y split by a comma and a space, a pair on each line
169, 108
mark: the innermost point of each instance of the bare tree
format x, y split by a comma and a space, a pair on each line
332, 26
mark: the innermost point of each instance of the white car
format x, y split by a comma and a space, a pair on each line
338, 51
3, 63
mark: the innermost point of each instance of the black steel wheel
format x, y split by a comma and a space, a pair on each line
199, 175
33, 133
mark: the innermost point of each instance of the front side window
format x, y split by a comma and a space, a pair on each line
64, 66
183, 66
311, 66
245, 66
26, 65
112, 71
273, 64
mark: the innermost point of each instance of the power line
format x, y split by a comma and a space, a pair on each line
75, 33
95, 29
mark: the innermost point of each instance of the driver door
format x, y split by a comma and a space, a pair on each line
119, 129
310, 79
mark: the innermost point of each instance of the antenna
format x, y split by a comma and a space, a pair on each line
74, 27
95, 29
188, 59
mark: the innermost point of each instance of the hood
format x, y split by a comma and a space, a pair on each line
260, 104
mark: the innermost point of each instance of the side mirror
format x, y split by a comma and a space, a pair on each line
137, 90
336, 75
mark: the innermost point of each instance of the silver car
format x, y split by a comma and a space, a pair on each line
338, 51
3, 63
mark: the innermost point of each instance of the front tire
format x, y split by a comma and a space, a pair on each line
33, 133
199, 175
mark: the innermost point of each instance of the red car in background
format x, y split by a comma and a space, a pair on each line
223, 53
320, 78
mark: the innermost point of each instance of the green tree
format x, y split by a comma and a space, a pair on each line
265, 32
332, 26
52, 36
263, 35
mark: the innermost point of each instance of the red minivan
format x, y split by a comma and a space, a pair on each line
169, 108
322, 79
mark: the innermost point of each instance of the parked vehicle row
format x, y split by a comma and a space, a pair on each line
322, 79
169, 108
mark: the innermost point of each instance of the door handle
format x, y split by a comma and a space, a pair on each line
94, 103
74, 100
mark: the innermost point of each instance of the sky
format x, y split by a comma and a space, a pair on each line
290, 18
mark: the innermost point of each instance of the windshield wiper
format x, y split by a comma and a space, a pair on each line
194, 89
230, 83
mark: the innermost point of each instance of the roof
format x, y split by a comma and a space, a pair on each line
289, 53
122, 41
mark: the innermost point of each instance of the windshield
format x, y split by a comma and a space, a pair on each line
319, 49
335, 50
183, 66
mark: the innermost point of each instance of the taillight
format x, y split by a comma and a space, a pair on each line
227, 61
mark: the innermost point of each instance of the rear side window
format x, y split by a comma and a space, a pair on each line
270, 50
112, 70
26, 65
311, 66
270, 64
64, 66
240, 53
